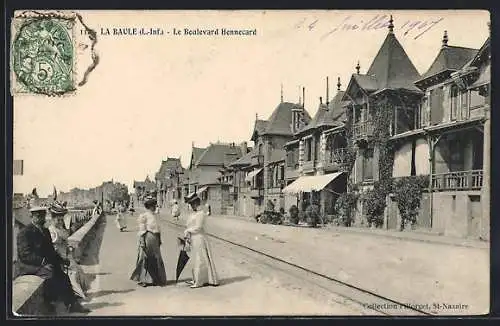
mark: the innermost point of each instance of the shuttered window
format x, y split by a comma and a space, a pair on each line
436, 105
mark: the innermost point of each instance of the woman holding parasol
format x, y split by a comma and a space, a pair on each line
203, 271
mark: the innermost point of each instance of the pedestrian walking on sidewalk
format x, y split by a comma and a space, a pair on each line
204, 272
120, 218
176, 212
150, 269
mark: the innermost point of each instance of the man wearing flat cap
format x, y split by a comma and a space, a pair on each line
37, 256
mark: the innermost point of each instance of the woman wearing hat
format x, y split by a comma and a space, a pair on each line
150, 269
203, 271
60, 235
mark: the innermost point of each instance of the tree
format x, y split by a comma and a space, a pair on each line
119, 193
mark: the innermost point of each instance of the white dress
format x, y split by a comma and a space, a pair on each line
204, 272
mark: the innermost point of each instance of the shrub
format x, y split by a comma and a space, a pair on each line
312, 215
344, 208
375, 206
294, 214
408, 194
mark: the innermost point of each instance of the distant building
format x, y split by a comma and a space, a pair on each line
258, 176
142, 188
204, 175
169, 181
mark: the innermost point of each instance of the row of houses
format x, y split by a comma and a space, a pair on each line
85, 197
389, 123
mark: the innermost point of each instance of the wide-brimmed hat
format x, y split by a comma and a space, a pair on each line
38, 209
191, 198
57, 208
150, 200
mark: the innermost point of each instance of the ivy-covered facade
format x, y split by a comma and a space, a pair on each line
395, 150
379, 103
419, 141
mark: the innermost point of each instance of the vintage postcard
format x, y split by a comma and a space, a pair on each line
255, 163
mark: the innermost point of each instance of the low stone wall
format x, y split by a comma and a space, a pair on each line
27, 290
27, 296
79, 240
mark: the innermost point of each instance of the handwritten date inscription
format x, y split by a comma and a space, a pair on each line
415, 28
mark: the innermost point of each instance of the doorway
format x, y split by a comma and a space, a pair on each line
473, 221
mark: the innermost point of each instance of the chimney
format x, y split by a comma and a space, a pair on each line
303, 97
327, 95
244, 148
320, 100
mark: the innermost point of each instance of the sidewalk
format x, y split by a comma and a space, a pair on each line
416, 235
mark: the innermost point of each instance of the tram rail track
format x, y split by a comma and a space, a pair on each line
364, 298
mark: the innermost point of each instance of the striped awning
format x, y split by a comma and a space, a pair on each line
311, 183
252, 174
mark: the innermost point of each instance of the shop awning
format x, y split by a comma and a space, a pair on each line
201, 190
311, 183
252, 174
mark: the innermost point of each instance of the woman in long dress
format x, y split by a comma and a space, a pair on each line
60, 234
120, 219
150, 269
204, 272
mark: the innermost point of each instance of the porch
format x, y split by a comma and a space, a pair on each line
460, 180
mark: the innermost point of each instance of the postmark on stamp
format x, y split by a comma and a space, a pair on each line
45, 53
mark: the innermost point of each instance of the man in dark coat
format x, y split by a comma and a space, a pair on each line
37, 256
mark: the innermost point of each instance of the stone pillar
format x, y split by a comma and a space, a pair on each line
321, 155
267, 172
301, 155
485, 189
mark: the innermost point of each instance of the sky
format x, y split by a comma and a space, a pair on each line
152, 97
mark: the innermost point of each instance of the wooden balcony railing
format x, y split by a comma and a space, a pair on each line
461, 180
308, 166
256, 192
337, 156
363, 129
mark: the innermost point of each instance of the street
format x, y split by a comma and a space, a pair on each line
411, 272
245, 289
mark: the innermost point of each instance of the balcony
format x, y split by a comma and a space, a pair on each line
335, 159
308, 166
256, 192
363, 130
292, 172
461, 180
257, 159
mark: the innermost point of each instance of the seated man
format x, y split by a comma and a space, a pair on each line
37, 256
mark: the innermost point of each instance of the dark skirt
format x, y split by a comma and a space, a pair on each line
150, 268
57, 285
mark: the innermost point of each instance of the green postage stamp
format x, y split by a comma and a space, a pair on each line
44, 53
